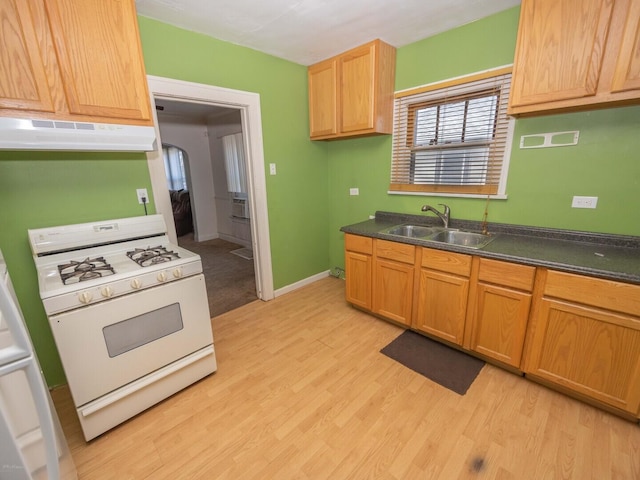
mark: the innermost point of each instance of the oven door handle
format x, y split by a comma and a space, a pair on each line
133, 387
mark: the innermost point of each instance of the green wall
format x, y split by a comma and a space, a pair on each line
541, 182
39, 189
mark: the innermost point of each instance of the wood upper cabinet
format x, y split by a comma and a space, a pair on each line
627, 73
73, 60
585, 337
576, 54
442, 294
358, 270
323, 99
393, 280
23, 75
498, 310
352, 94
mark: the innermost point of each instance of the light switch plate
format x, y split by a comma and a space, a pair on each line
584, 202
354, 191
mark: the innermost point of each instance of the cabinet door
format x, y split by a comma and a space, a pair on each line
323, 91
358, 279
357, 73
627, 72
392, 297
560, 49
500, 323
591, 351
23, 78
442, 305
98, 50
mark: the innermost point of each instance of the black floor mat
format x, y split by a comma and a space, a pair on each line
444, 365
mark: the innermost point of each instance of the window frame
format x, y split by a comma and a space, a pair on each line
406, 105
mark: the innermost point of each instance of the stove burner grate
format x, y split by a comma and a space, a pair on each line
146, 257
87, 269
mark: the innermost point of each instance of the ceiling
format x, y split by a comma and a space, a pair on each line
199, 112
307, 31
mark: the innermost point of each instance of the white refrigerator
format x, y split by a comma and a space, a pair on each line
32, 443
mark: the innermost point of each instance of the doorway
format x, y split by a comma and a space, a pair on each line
200, 97
206, 176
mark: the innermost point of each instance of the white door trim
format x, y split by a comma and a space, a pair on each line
249, 105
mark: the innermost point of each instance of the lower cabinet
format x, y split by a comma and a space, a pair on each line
498, 312
585, 337
443, 288
358, 270
579, 333
393, 280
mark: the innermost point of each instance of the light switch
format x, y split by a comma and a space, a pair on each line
354, 191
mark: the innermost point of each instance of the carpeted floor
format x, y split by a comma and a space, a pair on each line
230, 279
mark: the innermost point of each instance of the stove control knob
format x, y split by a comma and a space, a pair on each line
162, 276
136, 284
177, 272
85, 297
107, 292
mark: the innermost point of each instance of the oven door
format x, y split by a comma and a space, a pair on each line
112, 343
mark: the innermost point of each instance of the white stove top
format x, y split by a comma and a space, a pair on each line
51, 283
110, 241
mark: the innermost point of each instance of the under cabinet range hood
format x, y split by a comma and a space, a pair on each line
32, 134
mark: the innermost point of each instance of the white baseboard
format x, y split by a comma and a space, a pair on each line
232, 239
301, 283
204, 238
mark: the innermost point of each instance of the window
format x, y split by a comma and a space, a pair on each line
174, 158
234, 163
453, 137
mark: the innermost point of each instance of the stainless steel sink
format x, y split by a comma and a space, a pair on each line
460, 237
450, 236
413, 231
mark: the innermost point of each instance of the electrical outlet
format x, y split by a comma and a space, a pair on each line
272, 169
142, 195
584, 202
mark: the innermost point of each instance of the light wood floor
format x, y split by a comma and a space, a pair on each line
302, 392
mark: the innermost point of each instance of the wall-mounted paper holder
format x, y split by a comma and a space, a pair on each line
552, 139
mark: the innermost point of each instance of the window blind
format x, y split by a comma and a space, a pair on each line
452, 137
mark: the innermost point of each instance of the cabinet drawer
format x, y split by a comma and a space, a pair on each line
456, 263
608, 294
400, 252
356, 243
507, 274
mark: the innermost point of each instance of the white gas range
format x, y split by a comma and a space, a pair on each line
129, 315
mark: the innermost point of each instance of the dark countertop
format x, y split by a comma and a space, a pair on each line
614, 257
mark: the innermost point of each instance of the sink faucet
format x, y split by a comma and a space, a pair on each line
444, 216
